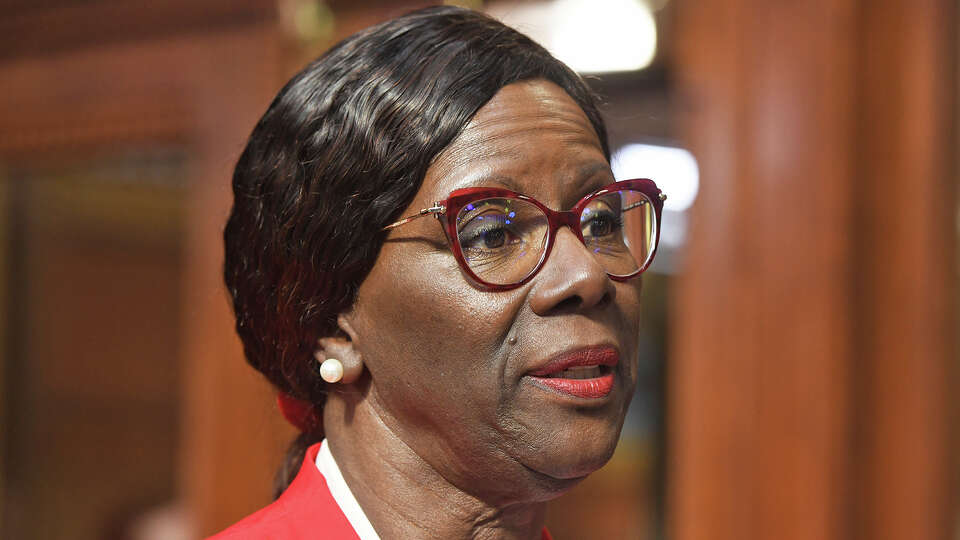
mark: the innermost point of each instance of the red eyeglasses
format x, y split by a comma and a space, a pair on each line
502, 238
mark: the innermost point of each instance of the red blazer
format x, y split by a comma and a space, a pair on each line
306, 510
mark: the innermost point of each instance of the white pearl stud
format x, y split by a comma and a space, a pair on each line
331, 370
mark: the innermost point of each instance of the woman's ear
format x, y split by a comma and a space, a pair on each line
343, 322
339, 349
342, 349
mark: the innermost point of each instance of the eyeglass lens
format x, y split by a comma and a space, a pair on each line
504, 239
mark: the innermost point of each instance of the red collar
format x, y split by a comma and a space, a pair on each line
305, 510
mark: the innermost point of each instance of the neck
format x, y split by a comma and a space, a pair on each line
402, 495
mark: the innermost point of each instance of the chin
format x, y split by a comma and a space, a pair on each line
574, 453
561, 443
562, 472
581, 460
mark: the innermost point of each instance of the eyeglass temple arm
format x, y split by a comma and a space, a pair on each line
436, 210
662, 197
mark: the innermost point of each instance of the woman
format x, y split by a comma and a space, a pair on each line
450, 373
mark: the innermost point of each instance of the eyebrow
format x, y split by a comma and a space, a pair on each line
485, 180
589, 173
586, 173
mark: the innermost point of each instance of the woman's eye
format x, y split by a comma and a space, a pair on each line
486, 238
487, 232
494, 238
601, 224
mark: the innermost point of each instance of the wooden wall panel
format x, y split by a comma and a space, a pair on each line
813, 326
906, 277
93, 385
234, 436
759, 377
203, 90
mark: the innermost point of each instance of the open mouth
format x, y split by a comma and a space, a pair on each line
585, 373
580, 373
585, 382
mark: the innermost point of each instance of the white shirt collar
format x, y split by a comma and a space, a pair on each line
342, 494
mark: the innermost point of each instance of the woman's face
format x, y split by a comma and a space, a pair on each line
451, 365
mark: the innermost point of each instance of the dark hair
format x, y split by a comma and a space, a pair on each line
339, 153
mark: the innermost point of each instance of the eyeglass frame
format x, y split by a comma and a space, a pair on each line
448, 209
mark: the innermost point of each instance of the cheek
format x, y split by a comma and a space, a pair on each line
628, 299
428, 337
628, 309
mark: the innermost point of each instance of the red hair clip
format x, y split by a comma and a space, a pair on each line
302, 414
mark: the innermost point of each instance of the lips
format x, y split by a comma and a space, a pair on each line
584, 373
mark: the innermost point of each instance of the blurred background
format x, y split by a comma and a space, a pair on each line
800, 322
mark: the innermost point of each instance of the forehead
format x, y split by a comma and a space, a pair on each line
529, 136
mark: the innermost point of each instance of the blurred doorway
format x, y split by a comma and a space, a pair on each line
91, 370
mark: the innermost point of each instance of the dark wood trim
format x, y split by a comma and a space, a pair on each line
50, 27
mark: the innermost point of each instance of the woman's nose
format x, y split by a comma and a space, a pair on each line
571, 278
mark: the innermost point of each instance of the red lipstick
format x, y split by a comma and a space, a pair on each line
585, 373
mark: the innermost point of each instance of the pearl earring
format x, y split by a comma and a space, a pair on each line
331, 370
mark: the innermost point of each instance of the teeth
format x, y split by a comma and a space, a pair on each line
579, 372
